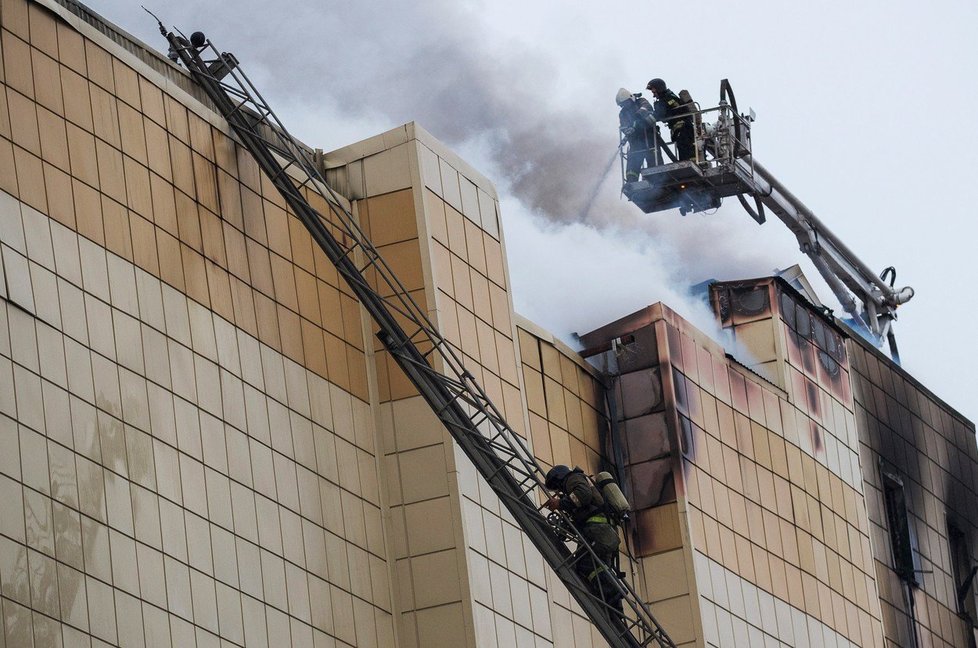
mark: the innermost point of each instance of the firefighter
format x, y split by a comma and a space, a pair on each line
638, 127
669, 108
582, 501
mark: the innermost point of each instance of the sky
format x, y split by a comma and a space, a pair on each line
863, 112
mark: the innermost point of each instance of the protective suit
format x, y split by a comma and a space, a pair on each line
669, 108
583, 503
638, 128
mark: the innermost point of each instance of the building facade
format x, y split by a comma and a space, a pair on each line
814, 494
202, 443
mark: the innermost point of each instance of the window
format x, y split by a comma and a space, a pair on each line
902, 540
963, 571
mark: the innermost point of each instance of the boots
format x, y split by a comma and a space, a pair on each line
609, 590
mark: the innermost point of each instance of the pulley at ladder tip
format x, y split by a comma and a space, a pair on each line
198, 39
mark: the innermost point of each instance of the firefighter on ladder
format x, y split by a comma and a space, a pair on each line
670, 109
582, 501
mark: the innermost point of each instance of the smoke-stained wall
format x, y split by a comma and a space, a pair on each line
202, 441
916, 456
771, 539
920, 466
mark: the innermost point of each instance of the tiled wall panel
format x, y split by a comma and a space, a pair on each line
151, 485
565, 403
464, 574
783, 504
188, 448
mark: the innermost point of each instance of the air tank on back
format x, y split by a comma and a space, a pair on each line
612, 494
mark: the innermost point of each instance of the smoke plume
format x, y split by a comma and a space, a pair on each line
387, 63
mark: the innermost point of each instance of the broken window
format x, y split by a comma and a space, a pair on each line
902, 540
750, 301
963, 571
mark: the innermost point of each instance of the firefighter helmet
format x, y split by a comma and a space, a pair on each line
556, 477
656, 84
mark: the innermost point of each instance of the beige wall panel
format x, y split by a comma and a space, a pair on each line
30, 179
47, 89
125, 217
17, 67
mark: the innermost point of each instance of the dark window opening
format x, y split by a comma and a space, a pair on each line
819, 333
901, 533
803, 323
963, 570
723, 305
686, 437
750, 301
828, 363
834, 346
788, 309
810, 327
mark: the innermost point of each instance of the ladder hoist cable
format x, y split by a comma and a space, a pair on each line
429, 361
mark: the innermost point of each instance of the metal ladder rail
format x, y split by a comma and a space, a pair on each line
461, 404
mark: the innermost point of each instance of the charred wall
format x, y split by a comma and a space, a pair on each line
645, 425
647, 439
780, 500
649, 423
912, 442
824, 481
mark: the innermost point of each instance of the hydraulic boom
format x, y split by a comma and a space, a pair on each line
724, 166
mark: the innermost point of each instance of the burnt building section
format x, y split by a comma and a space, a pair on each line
800, 489
917, 456
920, 473
645, 356
744, 474
777, 333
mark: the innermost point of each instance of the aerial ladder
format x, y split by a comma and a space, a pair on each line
725, 166
403, 327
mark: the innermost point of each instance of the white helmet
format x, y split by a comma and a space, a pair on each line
622, 96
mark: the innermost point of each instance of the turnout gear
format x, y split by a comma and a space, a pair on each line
670, 109
638, 127
582, 501
579, 498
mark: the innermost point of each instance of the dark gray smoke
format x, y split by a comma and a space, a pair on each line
431, 63
464, 88
434, 62
549, 156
